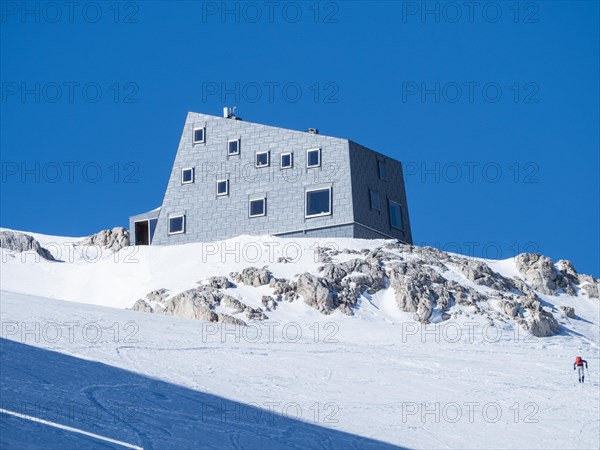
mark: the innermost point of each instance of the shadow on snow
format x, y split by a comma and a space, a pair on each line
139, 410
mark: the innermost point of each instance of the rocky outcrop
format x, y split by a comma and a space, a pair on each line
510, 307
479, 273
541, 323
567, 269
412, 289
587, 283
142, 306
283, 289
199, 304
217, 282
189, 308
21, 242
252, 276
419, 289
114, 239
269, 303
539, 272
429, 284
569, 311
157, 295
316, 292
590, 286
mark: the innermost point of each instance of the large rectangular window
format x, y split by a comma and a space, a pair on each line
176, 224
287, 160
313, 157
222, 187
258, 207
198, 135
187, 175
263, 159
318, 202
233, 147
396, 216
374, 199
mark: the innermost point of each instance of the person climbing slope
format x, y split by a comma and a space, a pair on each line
579, 362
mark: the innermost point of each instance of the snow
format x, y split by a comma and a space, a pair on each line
299, 380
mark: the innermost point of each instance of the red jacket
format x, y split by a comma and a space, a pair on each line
579, 363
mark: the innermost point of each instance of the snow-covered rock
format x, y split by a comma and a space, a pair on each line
316, 292
541, 274
21, 242
541, 324
114, 239
252, 276
339, 275
569, 311
197, 303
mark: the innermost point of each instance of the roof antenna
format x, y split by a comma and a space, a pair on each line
229, 113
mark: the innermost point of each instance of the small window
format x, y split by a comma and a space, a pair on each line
258, 207
233, 147
313, 158
374, 198
381, 169
198, 135
222, 187
263, 159
177, 225
396, 216
287, 160
187, 175
318, 202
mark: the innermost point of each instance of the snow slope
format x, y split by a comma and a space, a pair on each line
298, 380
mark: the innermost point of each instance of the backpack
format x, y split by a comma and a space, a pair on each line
578, 361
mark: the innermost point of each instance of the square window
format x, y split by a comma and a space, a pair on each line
258, 207
381, 169
374, 198
318, 202
263, 159
396, 216
222, 187
313, 158
187, 175
177, 225
233, 147
287, 160
198, 135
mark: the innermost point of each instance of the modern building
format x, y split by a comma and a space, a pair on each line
233, 177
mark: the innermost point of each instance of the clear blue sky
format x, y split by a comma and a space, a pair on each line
502, 155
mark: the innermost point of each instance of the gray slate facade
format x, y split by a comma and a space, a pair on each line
364, 188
